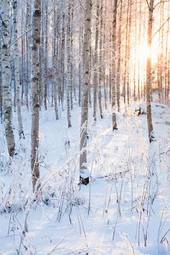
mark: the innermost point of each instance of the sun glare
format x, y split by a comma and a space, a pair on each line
143, 52
139, 58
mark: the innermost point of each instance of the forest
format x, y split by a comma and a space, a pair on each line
84, 127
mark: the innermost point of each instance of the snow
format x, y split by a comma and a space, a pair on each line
125, 206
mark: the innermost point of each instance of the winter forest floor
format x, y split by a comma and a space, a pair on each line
124, 210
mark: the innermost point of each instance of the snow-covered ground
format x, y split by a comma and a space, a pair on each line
124, 210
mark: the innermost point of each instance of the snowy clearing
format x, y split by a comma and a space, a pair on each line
125, 207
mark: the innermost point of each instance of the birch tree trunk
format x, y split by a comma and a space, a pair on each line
96, 77
84, 177
45, 55
17, 71
6, 76
55, 57
62, 60
1, 97
100, 60
69, 76
119, 57
149, 72
167, 88
72, 85
129, 49
28, 49
139, 61
35, 93
23, 58
114, 122
80, 65
126, 55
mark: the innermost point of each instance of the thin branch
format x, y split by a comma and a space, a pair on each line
160, 3
148, 4
161, 27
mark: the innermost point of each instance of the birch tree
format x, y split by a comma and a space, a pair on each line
35, 92
95, 77
17, 70
100, 69
114, 122
28, 49
6, 76
84, 177
149, 70
0, 73
45, 52
69, 76
119, 57
55, 57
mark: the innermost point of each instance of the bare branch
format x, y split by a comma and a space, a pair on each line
161, 2
161, 27
148, 4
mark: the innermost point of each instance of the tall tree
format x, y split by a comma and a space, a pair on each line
119, 56
1, 100
35, 92
149, 71
100, 68
45, 52
28, 49
6, 76
84, 177
114, 122
55, 57
95, 76
17, 70
69, 64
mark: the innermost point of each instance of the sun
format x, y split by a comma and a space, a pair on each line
140, 53
143, 52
